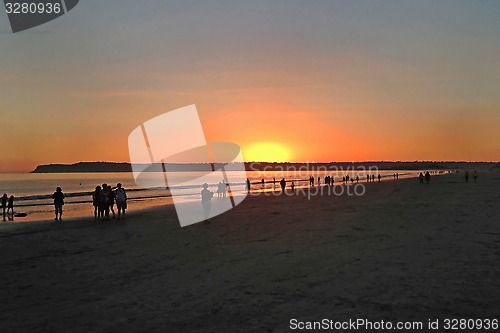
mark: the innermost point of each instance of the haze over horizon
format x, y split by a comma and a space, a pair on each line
287, 80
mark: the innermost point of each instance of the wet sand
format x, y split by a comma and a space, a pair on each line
403, 251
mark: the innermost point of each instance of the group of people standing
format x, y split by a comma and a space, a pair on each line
104, 199
7, 205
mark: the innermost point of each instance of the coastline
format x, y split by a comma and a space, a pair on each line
403, 251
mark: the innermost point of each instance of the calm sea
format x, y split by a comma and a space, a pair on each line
33, 192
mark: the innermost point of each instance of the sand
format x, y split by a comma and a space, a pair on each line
403, 251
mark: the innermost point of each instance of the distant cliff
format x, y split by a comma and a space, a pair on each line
259, 166
84, 167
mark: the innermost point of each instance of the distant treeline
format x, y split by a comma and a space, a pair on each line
264, 166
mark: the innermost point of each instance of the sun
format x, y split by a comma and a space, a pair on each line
266, 152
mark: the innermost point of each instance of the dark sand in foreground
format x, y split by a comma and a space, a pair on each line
404, 251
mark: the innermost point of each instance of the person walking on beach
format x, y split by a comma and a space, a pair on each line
283, 184
427, 177
373, 178
10, 205
379, 177
248, 185
421, 178
475, 176
466, 176
121, 200
292, 186
4, 204
58, 197
206, 201
96, 202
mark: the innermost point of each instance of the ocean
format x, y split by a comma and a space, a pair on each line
33, 191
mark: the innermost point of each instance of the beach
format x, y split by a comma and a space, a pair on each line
403, 251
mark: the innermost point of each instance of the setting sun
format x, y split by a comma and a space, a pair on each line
266, 152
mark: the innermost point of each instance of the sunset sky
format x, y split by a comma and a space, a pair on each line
315, 80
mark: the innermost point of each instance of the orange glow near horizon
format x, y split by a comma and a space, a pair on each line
266, 152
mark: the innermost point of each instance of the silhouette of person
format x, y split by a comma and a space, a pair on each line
379, 177
111, 198
219, 190
427, 177
4, 204
283, 184
96, 202
292, 186
421, 178
466, 176
319, 181
248, 185
10, 205
357, 179
263, 182
58, 197
373, 178
224, 188
105, 201
367, 178
274, 182
206, 200
121, 199
397, 175
475, 175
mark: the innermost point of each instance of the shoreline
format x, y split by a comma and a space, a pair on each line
140, 203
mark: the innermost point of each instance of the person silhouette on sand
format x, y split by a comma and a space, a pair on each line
379, 177
224, 189
427, 177
121, 200
248, 185
283, 184
58, 197
292, 186
96, 202
111, 199
421, 178
10, 205
206, 201
4, 204
105, 200
466, 176
219, 190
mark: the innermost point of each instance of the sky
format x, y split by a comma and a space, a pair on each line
315, 80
